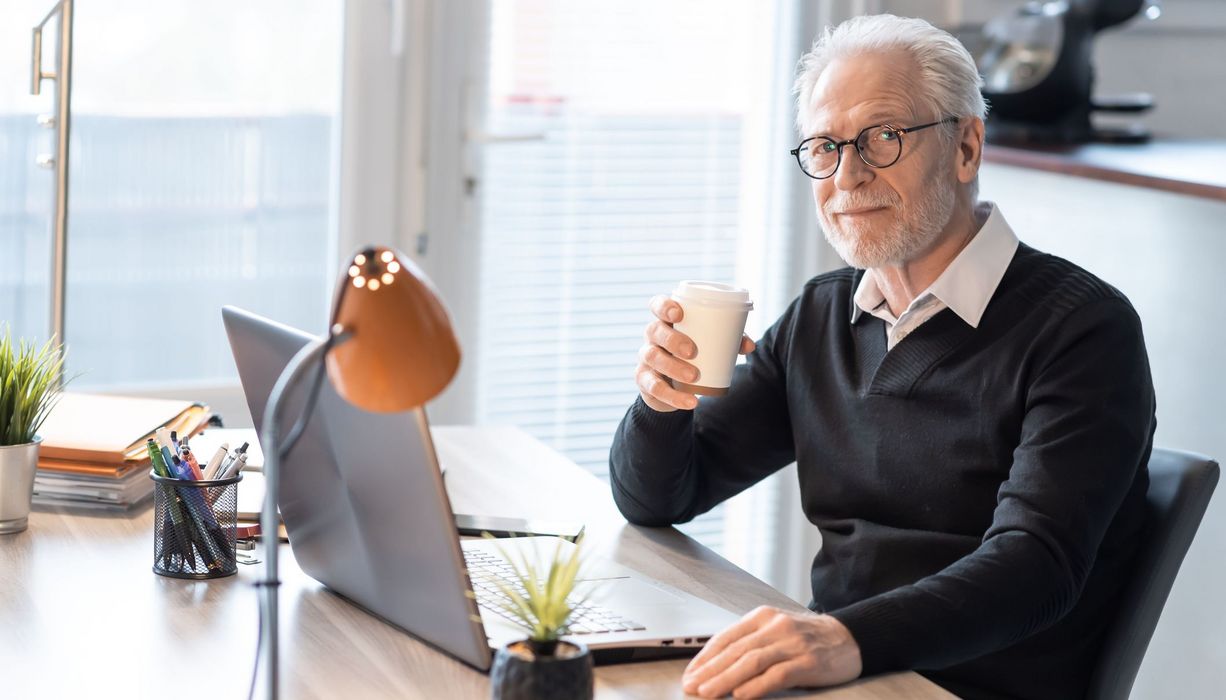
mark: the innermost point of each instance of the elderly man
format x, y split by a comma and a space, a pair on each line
971, 418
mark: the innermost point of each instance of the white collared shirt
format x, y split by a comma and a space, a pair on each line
965, 286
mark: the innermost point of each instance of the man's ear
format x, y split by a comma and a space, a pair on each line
970, 149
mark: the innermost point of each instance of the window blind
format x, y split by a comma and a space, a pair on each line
629, 174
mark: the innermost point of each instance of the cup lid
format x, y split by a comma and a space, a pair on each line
712, 293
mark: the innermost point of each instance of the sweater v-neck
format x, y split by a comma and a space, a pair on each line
895, 372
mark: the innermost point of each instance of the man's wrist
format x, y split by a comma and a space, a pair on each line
648, 418
845, 654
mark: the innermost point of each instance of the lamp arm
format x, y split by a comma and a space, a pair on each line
306, 358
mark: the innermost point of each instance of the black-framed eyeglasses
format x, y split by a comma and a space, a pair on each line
879, 146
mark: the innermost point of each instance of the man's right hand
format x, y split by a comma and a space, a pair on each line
663, 358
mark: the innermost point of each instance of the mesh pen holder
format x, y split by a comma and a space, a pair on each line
194, 527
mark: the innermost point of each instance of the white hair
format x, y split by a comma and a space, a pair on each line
948, 83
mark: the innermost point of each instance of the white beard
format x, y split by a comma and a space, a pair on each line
912, 231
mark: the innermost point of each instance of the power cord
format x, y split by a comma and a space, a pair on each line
259, 642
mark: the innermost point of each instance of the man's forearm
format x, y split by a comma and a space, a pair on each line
667, 467
1007, 590
651, 466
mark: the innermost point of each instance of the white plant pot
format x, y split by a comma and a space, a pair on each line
17, 466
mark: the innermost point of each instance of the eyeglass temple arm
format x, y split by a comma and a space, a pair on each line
946, 120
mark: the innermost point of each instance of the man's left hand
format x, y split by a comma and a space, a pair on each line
770, 650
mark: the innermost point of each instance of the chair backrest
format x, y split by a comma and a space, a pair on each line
1180, 484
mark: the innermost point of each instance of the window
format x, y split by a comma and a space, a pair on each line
631, 145
201, 163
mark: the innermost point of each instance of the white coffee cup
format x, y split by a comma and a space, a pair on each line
713, 317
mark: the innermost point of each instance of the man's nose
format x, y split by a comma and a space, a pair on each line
853, 171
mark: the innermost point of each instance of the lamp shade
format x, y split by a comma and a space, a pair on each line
401, 350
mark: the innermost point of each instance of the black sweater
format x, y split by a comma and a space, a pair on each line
979, 491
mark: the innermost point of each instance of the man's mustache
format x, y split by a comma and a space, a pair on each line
854, 202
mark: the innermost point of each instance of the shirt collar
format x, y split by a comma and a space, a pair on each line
868, 296
968, 282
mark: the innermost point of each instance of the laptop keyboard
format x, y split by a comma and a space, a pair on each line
486, 570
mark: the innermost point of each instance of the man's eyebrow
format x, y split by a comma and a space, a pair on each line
873, 119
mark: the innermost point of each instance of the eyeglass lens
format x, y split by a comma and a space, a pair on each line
879, 146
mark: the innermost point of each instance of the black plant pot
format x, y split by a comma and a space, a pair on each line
523, 673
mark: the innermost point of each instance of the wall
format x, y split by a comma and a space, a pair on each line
1164, 252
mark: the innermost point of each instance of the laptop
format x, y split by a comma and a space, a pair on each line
363, 502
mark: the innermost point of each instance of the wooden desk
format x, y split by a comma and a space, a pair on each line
82, 614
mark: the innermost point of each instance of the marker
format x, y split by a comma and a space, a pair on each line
156, 459
169, 460
182, 540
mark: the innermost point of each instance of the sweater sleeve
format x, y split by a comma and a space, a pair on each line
1086, 431
668, 467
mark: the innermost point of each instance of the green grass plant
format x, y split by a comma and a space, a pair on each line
29, 387
539, 599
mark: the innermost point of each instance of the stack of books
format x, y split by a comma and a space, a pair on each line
93, 453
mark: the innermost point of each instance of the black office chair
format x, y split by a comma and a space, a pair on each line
1180, 484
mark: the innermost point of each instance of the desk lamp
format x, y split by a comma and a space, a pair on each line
390, 347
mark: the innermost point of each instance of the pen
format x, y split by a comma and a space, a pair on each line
191, 497
185, 453
235, 466
227, 469
225, 463
205, 524
174, 439
199, 524
213, 468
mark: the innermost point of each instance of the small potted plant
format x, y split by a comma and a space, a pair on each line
544, 666
29, 386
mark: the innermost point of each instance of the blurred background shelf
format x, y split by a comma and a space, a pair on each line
1182, 166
